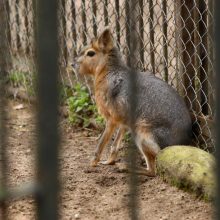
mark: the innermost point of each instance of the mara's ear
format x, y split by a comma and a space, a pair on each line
105, 40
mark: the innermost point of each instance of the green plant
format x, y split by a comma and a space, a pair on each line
24, 79
82, 111
65, 92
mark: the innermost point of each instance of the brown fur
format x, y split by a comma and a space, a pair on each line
95, 60
98, 67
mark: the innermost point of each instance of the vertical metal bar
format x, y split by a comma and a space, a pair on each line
94, 9
4, 64
203, 56
106, 12
165, 43
117, 8
47, 88
141, 32
132, 61
73, 10
84, 22
151, 26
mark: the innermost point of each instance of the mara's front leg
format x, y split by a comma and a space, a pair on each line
104, 140
115, 146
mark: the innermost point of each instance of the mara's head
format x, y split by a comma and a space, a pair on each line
93, 58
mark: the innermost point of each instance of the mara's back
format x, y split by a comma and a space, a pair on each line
158, 105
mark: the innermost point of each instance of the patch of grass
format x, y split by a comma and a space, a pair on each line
82, 111
24, 79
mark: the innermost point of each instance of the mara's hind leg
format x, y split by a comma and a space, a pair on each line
115, 146
149, 148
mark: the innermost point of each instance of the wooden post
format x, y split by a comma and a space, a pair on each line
73, 11
64, 31
94, 9
152, 44
106, 12
84, 20
203, 32
117, 8
188, 53
141, 33
17, 20
165, 46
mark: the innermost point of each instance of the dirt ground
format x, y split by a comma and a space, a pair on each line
100, 193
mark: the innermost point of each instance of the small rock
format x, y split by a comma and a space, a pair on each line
76, 216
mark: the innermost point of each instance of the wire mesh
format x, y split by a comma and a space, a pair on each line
174, 41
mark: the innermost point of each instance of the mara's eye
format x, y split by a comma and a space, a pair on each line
90, 53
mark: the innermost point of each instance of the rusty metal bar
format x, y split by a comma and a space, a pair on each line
47, 115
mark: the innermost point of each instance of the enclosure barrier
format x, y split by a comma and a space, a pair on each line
45, 190
174, 40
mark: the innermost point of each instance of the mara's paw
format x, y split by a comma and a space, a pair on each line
94, 163
108, 162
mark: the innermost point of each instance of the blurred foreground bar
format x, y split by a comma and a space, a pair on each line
4, 63
47, 90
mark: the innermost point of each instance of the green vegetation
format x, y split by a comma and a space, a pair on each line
23, 79
82, 111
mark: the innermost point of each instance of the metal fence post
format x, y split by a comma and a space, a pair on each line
47, 88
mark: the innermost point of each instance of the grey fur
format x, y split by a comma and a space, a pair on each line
157, 103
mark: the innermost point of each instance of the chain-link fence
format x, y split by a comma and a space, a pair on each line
175, 42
